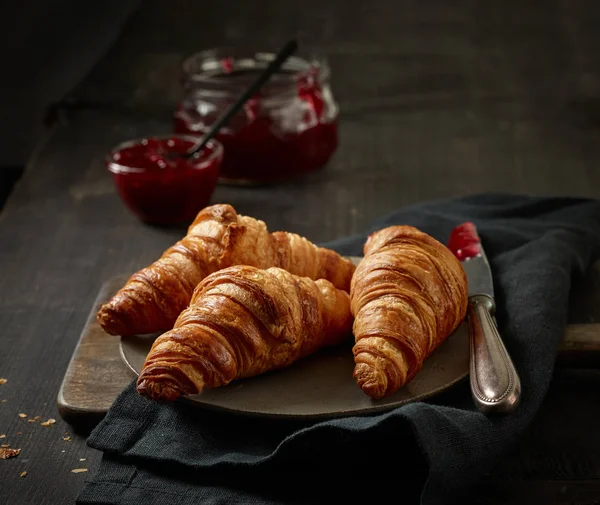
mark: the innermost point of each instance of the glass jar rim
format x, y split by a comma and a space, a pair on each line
115, 167
206, 67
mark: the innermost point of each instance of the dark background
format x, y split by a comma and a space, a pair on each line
49, 46
466, 53
437, 99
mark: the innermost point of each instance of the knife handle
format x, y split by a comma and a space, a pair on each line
495, 384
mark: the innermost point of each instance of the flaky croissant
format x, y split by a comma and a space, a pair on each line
241, 322
153, 298
408, 294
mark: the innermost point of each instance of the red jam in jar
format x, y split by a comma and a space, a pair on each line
288, 129
158, 184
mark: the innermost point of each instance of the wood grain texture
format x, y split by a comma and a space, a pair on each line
97, 374
437, 99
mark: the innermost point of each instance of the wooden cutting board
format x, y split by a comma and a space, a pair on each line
97, 373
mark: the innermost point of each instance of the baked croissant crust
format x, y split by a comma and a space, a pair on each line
408, 294
244, 321
153, 298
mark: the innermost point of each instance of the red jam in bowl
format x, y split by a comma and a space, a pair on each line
288, 129
161, 187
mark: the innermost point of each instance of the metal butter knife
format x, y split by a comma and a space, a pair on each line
495, 383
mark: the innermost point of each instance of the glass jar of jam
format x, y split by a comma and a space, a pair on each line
288, 129
161, 186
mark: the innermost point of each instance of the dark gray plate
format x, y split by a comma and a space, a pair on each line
321, 385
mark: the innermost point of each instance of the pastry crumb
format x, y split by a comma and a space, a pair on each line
3, 381
31, 420
48, 422
6, 453
67, 439
22, 416
82, 459
22, 474
4, 401
79, 470
3, 435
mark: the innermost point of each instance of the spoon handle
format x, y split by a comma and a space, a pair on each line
287, 50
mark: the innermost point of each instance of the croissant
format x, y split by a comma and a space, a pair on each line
408, 294
244, 321
153, 298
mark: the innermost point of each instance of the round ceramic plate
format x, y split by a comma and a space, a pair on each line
320, 385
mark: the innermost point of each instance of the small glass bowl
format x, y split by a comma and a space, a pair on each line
159, 185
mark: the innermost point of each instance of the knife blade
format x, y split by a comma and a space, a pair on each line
495, 383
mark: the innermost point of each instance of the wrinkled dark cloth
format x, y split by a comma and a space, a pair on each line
433, 451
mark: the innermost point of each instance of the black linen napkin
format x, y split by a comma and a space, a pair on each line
435, 450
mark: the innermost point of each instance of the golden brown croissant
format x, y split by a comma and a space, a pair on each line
218, 238
244, 321
408, 294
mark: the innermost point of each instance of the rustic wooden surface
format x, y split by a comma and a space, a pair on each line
437, 98
96, 373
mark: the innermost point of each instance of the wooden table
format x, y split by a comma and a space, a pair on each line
437, 100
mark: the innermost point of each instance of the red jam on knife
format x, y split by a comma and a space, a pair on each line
464, 241
288, 129
161, 187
